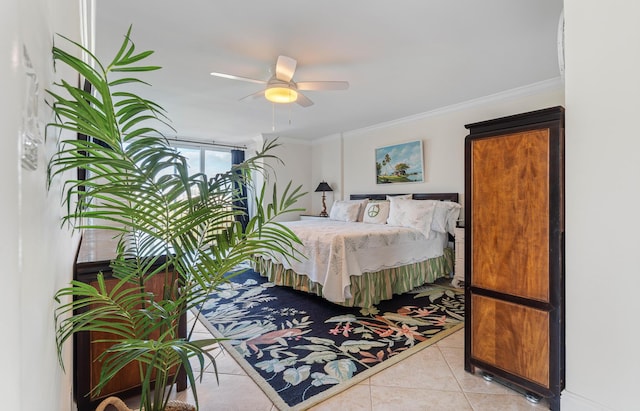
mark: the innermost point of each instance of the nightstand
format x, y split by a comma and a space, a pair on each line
312, 217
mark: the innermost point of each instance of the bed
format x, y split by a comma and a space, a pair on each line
390, 245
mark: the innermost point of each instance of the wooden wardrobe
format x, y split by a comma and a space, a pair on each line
514, 252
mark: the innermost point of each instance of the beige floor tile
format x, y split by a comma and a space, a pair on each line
197, 328
471, 382
201, 335
410, 399
224, 361
356, 398
425, 369
233, 393
225, 364
493, 402
455, 340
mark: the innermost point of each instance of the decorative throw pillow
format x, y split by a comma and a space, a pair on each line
416, 214
345, 211
376, 212
362, 204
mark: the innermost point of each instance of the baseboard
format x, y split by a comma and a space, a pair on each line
574, 402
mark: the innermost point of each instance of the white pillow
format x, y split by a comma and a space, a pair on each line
445, 216
362, 204
345, 211
416, 214
400, 197
377, 212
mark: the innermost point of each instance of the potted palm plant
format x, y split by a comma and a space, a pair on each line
168, 222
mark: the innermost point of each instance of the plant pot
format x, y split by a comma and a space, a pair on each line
179, 406
119, 405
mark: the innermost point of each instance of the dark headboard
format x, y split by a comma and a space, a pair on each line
416, 196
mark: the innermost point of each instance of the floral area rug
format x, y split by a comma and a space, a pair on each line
302, 349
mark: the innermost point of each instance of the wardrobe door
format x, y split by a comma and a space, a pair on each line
514, 251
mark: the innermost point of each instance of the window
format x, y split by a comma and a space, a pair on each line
210, 162
216, 162
205, 160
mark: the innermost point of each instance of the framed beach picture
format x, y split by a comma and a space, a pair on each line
400, 163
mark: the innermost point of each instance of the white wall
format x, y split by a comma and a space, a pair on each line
326, 166
602, 50
442, 133
10, 301
294, 167
37, 255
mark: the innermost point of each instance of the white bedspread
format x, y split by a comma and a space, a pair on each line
336, 250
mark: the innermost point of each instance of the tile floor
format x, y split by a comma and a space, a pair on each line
438, 383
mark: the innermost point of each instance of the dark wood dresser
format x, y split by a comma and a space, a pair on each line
96, 250
514, 252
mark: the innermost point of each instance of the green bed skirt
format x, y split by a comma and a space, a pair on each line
367, 289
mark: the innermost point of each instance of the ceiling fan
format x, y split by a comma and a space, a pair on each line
281, 88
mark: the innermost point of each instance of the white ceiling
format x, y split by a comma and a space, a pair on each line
401, 58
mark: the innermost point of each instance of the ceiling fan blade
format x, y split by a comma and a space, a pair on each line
232, 77
303, 100
253, 95
285, 67
323, 85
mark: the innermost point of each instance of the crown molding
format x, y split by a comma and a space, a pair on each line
531, 89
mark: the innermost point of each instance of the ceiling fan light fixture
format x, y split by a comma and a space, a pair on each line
279, 94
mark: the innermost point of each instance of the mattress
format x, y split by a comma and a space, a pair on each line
332, 252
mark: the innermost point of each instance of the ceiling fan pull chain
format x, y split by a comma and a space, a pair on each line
273, 116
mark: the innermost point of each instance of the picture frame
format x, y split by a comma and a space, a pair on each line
400, 163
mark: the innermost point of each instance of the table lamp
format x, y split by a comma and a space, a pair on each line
323, 187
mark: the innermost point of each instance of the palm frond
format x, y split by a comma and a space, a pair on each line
171, 226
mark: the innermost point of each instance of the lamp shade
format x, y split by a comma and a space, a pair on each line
323, 186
